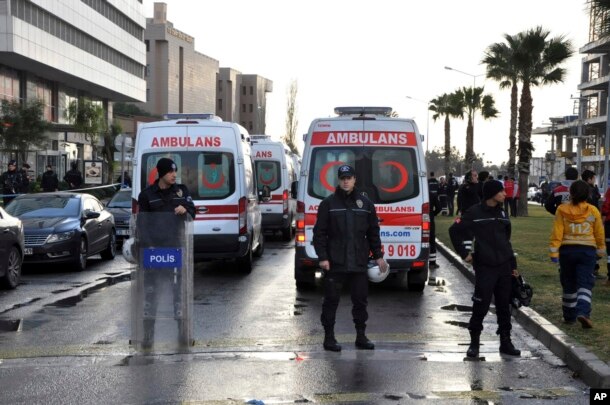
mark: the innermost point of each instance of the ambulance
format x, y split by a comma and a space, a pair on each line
390, 166
214, 161
275, 170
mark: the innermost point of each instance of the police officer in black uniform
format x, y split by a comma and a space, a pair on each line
12, 182
345, 234
468, 193
435, 209
452, 187
493, 260
173, 202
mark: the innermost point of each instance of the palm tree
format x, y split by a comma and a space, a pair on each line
501, 68
537, 60
473, 101
448, 105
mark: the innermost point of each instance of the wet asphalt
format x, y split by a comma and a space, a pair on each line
65, 339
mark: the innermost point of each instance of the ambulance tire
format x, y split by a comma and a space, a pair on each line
244, 264
304, 282
416, 280
261, 245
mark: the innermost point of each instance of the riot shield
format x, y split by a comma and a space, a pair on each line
162, 283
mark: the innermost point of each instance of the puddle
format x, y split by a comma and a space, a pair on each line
10, 325
455, 307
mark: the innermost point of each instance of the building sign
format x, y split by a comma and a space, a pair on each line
179, 34
93, 171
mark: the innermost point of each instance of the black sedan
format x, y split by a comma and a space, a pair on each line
120, 207
64, 228
11, 249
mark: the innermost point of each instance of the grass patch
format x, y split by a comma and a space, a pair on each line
530, 239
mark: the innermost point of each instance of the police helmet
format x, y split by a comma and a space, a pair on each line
128, 247
522, 292
374, 272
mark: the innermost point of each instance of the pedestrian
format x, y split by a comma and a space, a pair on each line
49, 182
435, 209
509, 189
345, 233
73, 177
588, 176
468, 193
606, 217
493, 261
25, 178
452, 187
577, 239
12, 182
516, 196
561, 193
164, 196
442, 195
483, 177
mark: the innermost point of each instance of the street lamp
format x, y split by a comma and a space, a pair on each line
427, 118
474, 77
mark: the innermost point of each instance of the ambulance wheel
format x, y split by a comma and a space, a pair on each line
245, 263
304, 282
288, 233
416, 280
261, 246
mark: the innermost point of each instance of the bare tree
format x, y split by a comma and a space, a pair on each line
292, 122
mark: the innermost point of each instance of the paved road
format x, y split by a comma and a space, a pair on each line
258, 338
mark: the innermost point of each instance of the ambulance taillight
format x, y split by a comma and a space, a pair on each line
134, 206
300, 231
285, 201
243, 215
425, 225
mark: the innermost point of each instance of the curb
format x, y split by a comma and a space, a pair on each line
593, 371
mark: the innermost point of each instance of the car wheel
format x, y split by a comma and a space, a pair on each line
110, 252
80, 262
288, 233
13, 269
245, 263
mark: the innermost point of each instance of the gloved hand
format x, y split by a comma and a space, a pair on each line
555, 259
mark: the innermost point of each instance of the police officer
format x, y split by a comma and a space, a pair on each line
561, 193
468, 194
346, 232
452, 187
12, 182
164, 196
493, 260
49, 181
73, 177
435, 209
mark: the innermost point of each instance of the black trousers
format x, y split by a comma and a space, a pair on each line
432, 240
359, 288
491, 281
450, 204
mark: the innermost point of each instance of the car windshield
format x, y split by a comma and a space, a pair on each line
53, 206
122, 199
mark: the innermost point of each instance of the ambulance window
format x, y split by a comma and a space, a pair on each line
323, 172
394, 174
268, 174
149, 168
215, 175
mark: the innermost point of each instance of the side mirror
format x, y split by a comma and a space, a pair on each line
293, 188
264, 194
91, 214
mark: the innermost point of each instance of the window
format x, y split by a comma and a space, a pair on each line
250, 126
251, 108
220, 86
251, 90
243, 108
268, 174
147, 42
243, 90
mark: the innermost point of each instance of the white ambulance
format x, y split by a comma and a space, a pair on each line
390, 168
275, 171
214, 161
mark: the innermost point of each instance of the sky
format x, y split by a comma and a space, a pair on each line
376, 53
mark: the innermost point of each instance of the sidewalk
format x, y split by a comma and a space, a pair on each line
589, 368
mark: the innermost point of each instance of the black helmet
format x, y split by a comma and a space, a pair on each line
521, 294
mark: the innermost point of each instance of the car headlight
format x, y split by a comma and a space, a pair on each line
60, 237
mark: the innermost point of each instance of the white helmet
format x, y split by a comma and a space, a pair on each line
374, 272
128, 247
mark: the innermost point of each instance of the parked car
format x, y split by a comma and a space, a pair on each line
531, 193
11, 249
120, 208
64, 227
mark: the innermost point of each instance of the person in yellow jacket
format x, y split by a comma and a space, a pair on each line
577, 240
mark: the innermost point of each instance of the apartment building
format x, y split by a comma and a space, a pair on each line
60, 50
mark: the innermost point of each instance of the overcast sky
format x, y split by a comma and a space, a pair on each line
356, 52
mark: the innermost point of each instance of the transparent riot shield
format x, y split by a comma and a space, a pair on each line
162, 282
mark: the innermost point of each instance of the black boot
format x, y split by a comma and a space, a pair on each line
330, 343
506, 346
362, 342
473, 349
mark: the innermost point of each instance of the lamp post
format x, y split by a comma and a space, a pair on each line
427, 118
474, 77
